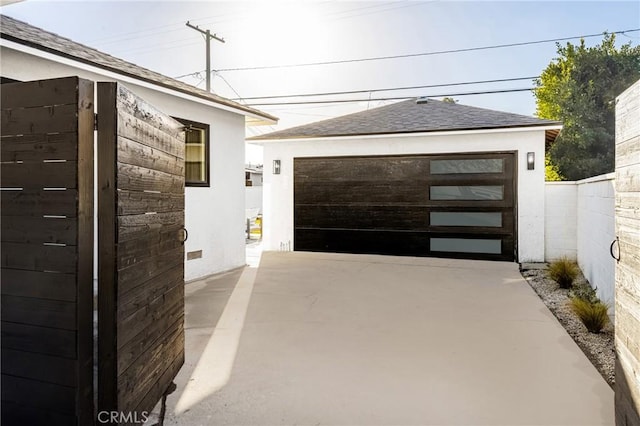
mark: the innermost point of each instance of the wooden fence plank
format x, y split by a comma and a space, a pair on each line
34, 311
145, 293
38, 230
47, 119
46, 368
627, 112
37, 93
137, 154
134, 347
85, 250
136, 178
628, 152
39, 394
132, 104
36, 203
39, 175
19, 414
161, 378
45, 285
38, 257
152, 312
135, 203
43, 340
137, 226
137, 380
150, 268
166, 377
131, 128
135, 252
107, 248
57, 146
628, 178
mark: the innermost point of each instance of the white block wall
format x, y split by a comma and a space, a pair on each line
580, 225
561, 220
596, 231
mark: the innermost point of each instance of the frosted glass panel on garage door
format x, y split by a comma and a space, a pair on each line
483, 165
466, 245
492, 219
479, 192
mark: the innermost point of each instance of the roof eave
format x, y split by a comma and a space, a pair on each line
253, 116
547, 127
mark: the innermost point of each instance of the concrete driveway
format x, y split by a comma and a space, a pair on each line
333, 339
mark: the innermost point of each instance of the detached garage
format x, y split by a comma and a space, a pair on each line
415, 178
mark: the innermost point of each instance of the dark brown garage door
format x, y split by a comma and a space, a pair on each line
459, 205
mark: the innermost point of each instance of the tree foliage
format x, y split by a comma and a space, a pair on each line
579, 88
551, 172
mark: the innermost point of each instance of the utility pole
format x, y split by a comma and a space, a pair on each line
208, 36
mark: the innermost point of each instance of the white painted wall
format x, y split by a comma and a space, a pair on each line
253, 201
596, 231
561, 220
214, 216
278, 189
580, 224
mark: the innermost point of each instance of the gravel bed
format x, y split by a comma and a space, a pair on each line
599, 348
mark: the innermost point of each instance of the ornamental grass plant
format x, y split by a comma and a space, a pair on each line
563, 271
594, 315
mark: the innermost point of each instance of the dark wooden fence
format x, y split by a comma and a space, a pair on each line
47, 212
141, 255
47, 252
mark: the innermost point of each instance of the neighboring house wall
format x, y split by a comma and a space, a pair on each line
255, 178
278, 189
579, 224
253, 201
213, 215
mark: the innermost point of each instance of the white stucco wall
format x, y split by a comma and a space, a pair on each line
561, 220
214, 216
596, 231
278, 189
253, 201
580, 224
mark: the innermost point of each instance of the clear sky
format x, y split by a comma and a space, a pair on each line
153, 34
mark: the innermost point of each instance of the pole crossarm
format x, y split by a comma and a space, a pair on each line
205, 32
208, 38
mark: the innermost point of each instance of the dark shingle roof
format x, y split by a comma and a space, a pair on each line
28, 35
409, 117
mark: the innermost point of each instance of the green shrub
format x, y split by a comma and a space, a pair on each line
585, 292
563, 271
593, 315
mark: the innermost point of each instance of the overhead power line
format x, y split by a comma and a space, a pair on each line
413, 55
336, 101
351, 92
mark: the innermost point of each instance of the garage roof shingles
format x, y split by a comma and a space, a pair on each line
28, 35
409, 117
